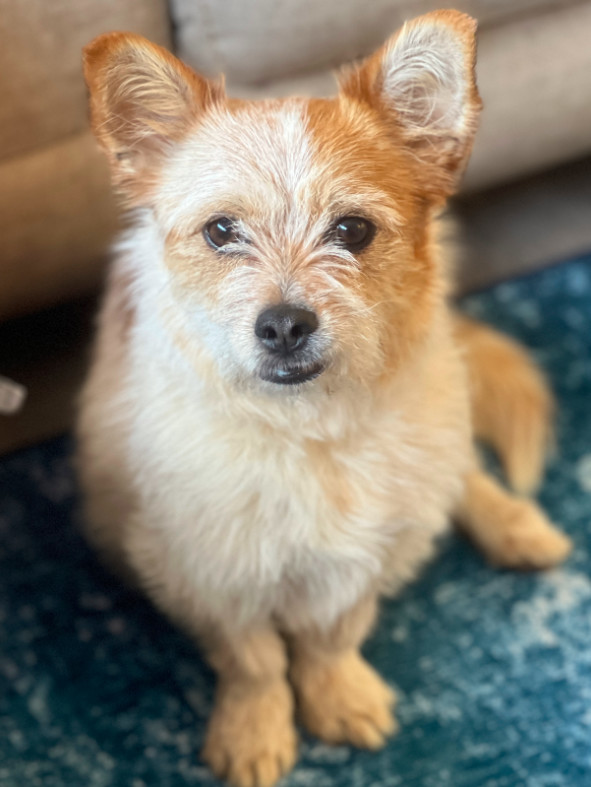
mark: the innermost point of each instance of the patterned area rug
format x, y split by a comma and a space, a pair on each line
493, 669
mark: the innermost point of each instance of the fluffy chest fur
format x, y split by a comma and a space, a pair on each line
261, 506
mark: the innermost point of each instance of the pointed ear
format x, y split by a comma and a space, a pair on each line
422, 81
142, 100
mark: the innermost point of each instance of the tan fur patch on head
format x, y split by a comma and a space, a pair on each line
399, 278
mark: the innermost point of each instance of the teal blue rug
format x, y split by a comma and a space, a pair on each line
492, 669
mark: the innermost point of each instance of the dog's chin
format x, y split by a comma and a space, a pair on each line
291, 374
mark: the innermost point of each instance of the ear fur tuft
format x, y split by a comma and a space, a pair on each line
422, 82
142, 99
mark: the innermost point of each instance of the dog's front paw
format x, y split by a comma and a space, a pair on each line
345, 701
251, 740
528, 540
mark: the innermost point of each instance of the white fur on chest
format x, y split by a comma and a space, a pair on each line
248, 522
232, 504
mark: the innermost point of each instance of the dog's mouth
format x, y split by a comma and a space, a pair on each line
294, 374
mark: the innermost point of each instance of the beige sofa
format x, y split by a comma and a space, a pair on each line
57, 215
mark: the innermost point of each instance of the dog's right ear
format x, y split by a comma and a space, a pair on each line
142, 100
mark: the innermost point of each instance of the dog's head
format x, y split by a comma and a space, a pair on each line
295, 232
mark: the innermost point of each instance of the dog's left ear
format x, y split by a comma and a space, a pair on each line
422, 83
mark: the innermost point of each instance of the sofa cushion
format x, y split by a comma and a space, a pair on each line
263, 40
57, 218
42, 93
535, 80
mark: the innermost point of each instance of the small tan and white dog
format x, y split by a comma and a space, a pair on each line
279, 417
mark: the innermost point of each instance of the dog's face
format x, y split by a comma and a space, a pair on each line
295, 232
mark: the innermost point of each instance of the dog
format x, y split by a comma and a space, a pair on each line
280, 415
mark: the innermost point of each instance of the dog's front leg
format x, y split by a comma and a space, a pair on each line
251, 738
341, 698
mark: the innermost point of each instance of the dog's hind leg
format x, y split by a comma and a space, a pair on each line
512, 532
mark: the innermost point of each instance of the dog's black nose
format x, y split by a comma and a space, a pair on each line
284, 328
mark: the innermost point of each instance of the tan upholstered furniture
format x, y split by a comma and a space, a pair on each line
56, 211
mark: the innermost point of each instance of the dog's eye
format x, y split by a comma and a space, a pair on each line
354, 233
220, 232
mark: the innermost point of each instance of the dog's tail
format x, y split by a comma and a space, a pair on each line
512, 406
